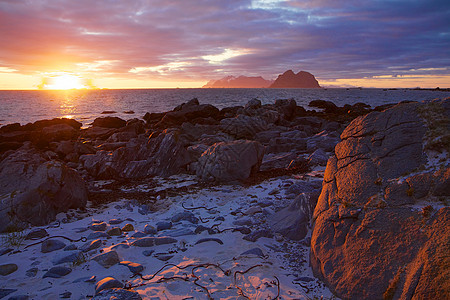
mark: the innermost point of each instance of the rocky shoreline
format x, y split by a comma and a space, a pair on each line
390, 165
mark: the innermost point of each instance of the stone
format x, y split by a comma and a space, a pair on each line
88, 246
224, 162
37, 233
366, 240
57, 272
244, 221
254, 236
115, 221
107, 283
107, 259
148, 252
31, 272
115, 231
163, 225
37, 189
318, 158
242, 126
179, 232
109, 122
70, 247
52, 245
128, 227
117, 293
7, 269
138, 234
153, 241
185, 216
219, 241
133, 267
149, 229
254, 251
253, 210
98, 226
97, 234
66, 257
163, 256
59, 132
65, 295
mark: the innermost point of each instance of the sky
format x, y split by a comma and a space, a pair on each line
185, 43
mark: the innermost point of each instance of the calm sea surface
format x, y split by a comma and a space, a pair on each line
86, 105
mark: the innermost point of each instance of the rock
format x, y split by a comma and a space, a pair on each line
138, 234
36, 234
36, 190
133, 267
128, 227
179, 232
117, 293
57, 272
163, 225
97, 235
366, 241
244, 221
149, 229
73, 257
318, 158
31, 272
91, 245
153, 241
65, 295
107, 283
52, 245
292, 221
107, 259
109, 122
148, 252
230, 161
328, 106
254, 236
60, 132
163, 256
242, 126
253, 210
254, 251
277, 161
115, 231
291, 80
70, 247
98, 226
219, 241
7, 269
115, 221
253, 104
185, 216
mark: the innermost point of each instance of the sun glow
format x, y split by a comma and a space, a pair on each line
65, 82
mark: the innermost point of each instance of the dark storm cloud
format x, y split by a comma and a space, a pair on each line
332, 39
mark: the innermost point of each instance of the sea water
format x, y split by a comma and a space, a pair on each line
86, 105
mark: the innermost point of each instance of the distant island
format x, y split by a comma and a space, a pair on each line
286, 80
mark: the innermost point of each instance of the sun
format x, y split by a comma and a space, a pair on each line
64, 82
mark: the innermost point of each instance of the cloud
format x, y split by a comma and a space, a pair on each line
205, 39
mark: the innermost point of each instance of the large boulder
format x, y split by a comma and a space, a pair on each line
230, 161
162, 155
242, 126
33, 191
378, 228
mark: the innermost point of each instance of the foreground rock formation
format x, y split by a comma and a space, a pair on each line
381, 222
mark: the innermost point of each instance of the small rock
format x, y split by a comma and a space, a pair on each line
254, 236
115, 231
153, 241
253, 210
36, 234
98, 235
88, 246
163, 225
148, 252
128, 227
70, 247
120, 245
274, 192
200, 229
115, 221
65, 295
31, 272
69, 258
85, 279
138, 234
52, 245
209, 240
8, 269
219, 219
148, 229
99, 226
107, 283
243, 230
117, 293
265, 203
57, 272
133, 267
163, 256
185, 216
107, 259
255, 251
244, 221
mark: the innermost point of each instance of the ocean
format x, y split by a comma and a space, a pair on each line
86, 105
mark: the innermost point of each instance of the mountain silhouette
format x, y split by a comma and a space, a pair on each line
291, 80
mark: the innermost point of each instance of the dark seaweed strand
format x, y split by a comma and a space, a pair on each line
198, 207
83, 239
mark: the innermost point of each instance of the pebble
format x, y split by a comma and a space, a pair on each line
85, 279
31, 272
200, 229
107, 283
209, 240
128, 227
7, 269
255, 251
133, 267
88, 246
274, 192
107, 259
57, 272
138, 234
185, 216
149, 229
163, 256
115, 231
97, 235
36, 234
153, 241
148, 252
265, 203
244, 221
98, 226
68, 258
163, 225
254, 236
253, 210
115, 221
70, 247
220, 218
118, 293
52, 245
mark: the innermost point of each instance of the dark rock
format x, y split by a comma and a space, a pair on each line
153, 241
36, 234
55, 133
31, 272
57, 272
91, 245
107, 283
115, 221
185, 216
243, 127
200, 229
52, 245
109, 122
254, 251
70, 247
18, 297
98, 226
148, 229
72, 257
97, 235
163, 225
107, 259
7, 269
65, 295
328, 106
163, 256
115, 231
254, 236
117, 293
179, 232
148, 252
230, 161
138, 234
133, 267
219, 241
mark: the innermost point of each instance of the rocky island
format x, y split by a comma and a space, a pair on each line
254, 201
